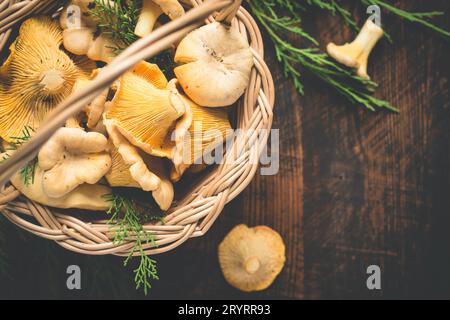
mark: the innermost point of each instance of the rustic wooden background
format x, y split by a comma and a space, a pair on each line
355, 188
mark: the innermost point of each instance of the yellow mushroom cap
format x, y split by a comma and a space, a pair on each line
210, 127
119, 174
152, 73
251, 258
37, 76
143, 113
131, 168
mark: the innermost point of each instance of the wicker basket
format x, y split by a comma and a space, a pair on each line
194, 215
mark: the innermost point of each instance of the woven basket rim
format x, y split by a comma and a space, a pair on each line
196, 213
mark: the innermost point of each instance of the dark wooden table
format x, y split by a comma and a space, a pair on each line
355, 189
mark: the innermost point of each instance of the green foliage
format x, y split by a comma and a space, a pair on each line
416, 17
126, 222
28, 172
282, 21
335, 9
118, 20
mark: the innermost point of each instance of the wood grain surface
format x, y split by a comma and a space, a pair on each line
355, 188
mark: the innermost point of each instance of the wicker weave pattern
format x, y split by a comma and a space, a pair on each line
193, 216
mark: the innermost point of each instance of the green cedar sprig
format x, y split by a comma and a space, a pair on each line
125, 220
282, 21
29, 171
118, 19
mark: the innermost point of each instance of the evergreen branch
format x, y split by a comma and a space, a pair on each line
336, 9
416, 17
29, 171
118, 20
125, 221
356, 89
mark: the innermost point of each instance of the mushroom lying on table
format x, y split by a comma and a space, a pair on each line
72, 157
215, 65
37, 76
356, 54
251, 258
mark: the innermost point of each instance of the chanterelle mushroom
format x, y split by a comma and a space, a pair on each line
130, 168
37, 76
251, 258
207, 128
216, 62
145, 114
356, 54
80, 32
86, 196
150, 12
71, 158
95, 109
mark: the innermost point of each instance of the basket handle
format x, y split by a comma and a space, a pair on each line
229, 13
147, 47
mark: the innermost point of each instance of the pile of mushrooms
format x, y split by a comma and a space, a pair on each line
145, 131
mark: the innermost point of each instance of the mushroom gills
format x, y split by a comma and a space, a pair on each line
215, 62
36, 77
251, 258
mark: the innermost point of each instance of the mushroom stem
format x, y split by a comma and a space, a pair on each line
52, 81
356, 54
149, 15
252, 265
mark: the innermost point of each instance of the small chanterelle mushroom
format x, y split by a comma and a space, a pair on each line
36, 77
73, 157
215, 65
150, 12
130, 168
251, 258
80, 31
203, 130
356, 54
